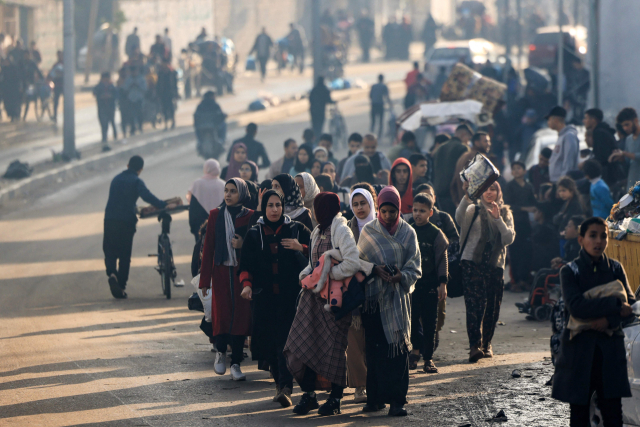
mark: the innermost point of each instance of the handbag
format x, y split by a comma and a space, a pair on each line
455, 287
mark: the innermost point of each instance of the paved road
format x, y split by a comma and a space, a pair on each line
33, 142
72, 355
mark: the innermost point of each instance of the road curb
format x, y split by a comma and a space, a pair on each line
75, 169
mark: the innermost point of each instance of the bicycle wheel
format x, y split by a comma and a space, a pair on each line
166, 274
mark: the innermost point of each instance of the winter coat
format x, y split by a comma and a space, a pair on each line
342, 240
573, 364
274, 289
230, 314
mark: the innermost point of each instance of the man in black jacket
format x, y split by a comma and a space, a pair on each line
319, 97
604, 142
120, 223
255, 149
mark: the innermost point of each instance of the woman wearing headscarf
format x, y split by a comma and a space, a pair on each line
303, 160
364, 173
293, 204
317, 342
205, 194
269, 270
321, 153
487, 228
316, 168
249, 171
308, 188
392, 246
230, 314
364, 210
238, 157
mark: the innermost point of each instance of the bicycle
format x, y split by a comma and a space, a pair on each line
337, 126
166, 267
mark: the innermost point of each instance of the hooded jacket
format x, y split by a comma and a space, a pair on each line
406, 198
564, 158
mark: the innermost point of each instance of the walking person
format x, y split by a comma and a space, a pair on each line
308, 188
167, 89
262, 48
594, 359
487, 229
206, 194
120, 223
378, 95
317, 342
269, 270
390, 244
293, 203
431, 288
255, 149
135, 87
132, 43
56, 76
11, 89
106, 96
363, 204
366, 34
230, 314
285, 163
319, 97
238, 157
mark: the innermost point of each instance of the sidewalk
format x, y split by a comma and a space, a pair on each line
33, 142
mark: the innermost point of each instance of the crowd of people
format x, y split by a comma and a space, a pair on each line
338, 270
23, 83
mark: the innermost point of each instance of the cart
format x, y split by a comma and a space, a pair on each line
626, 251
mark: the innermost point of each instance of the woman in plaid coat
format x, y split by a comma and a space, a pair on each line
317, 342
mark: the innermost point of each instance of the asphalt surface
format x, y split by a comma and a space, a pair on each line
72, 355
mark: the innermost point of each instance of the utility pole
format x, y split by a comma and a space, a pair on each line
594, 52
317, 40
69, 132
507, 28
520, 41
560, 79
88, 64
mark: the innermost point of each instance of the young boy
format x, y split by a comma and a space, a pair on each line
326, 141
571, 252
431, 288
594, 360
600, 195
444, 222
420, 167
519, 195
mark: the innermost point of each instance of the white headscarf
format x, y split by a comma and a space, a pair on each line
311, 189
209, 190
372, 212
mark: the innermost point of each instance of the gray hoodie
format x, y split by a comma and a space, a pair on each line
564, 158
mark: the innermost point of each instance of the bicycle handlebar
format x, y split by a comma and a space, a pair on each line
161, 211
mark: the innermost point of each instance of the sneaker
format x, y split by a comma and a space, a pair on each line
307, 403
397, 410
360, 396
236, 373
373, 408
115, 288
488, 351
284, 398
275, 398
330, 407
220, 365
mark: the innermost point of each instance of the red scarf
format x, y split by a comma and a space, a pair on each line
407, 197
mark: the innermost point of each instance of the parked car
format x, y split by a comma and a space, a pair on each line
448, 53
543, 51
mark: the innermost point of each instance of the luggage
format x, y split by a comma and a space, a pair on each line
250, 65
464, 83
480, 173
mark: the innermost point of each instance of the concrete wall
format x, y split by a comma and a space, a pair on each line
619, 58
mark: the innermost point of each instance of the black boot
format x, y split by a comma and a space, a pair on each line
308, 401
330, 407
397, 410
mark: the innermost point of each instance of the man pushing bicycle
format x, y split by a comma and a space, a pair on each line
120, 223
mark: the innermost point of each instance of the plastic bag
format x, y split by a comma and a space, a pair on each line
206, 301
